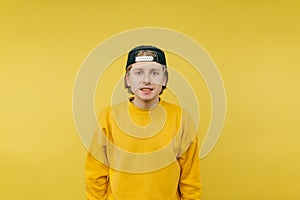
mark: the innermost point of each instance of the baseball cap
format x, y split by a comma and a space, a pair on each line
156, 55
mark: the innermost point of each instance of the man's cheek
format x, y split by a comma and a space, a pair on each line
158, 81
134, 86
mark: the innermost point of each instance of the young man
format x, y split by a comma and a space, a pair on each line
147, 148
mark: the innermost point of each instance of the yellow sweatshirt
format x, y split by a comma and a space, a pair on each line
144, 154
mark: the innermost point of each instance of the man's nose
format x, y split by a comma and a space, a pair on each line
147, 78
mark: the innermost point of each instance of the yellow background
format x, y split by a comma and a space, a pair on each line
255, 45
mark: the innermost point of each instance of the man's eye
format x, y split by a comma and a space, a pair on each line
155, 73
138, 73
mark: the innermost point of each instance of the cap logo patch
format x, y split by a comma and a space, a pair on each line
144, 58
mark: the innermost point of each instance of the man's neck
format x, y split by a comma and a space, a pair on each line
145, 104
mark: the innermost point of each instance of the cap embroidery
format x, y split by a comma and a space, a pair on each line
144, 58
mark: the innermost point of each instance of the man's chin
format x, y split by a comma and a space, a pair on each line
147, 97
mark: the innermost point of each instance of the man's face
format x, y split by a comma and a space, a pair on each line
146, 80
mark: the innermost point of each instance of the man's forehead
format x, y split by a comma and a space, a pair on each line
147, 65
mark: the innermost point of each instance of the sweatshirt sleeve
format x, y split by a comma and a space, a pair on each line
96, 167
96, 178
189, 184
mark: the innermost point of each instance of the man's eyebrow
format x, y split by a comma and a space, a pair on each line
137, 68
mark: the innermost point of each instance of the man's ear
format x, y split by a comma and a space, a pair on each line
164, 83
127, 80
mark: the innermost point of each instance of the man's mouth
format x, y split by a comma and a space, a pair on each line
146, 89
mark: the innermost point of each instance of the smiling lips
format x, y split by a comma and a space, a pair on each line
146, 89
